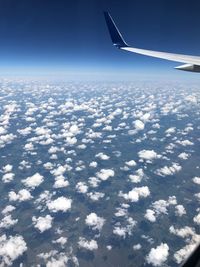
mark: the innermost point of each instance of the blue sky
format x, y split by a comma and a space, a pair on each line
70, 37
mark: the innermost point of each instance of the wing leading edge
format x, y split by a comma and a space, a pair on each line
191, 63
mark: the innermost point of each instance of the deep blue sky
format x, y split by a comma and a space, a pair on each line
71, 35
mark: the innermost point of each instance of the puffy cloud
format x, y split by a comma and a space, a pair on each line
7, 168
137, 247
71, 141
102, 156
25, 131
7, 222
148, 155
8, 177
94, 221
29, 147
6, 139
60, 182
180, 210
81, 187
59, 171
53, 258
60, 261
120, 231
104, 174
196, 219
160, 207
33, 181
74, 129
89, 245
170, 130
11, 248
93, 164
95, 196
150, 215
60, 204
8, 209
121, 212
185, 143
197, 196
136, 193
183, 156
42, 223
174, 168
157, 256
139, 125
182, 232
107, 128
131, 163
22, 195
123, 231
137, 177
196, 180
61, 240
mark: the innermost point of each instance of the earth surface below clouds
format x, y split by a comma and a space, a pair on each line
98, 174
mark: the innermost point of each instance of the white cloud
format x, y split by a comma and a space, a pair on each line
196, 180
137, 247
7, 222
150, 215
29, 147
74, 129
22, 195
170, 130
89, 245
180, 210
61, 240
59, 171
71, 141
174, 168
182, 232
60, 182
95, 196
33, 181
104, 174
197, 196
8, 177
137, 178
94, 221
7, 168
139, 125
81, 187
185, 143
157, 256
25, 131
8, 209
11, 248
131, 163
183, 156
93, 164
42, 223
102, 156
60, 204
196, 219
120, 231
136, 193
148, 154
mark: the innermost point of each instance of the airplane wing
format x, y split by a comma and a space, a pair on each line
192, 63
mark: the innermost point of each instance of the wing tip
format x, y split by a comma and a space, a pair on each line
115, 34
